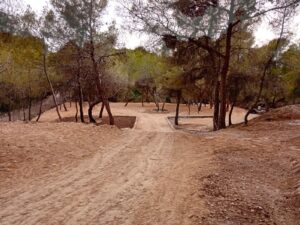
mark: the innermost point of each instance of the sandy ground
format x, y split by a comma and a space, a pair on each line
68, 173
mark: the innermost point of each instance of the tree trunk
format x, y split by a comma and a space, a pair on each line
64, 104
80, 102
101, 111
216, 106
127, 101
267, 105
157, 106
76, 115
261, 86
29, 108
156, 101
227, 106
266, 68
163, 106
89, 100
24, 114
200, 106
274, 102
40, 110
107, 107
65, 107
177, 108
9, 116
90, 111
223, 84
51, 86
70, 99
230, 113
147, 96
99, 84
9, 112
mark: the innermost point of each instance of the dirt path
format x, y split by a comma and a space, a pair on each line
140, 178
67, 173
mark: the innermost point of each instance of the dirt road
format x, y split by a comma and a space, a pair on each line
141, 177
150, 175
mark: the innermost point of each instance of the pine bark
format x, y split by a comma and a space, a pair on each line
40, 110
90, 111
51, 86
177, 107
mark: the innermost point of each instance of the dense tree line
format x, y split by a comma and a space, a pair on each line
207, 57
212, 26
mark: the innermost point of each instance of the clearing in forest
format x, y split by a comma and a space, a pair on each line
72, 173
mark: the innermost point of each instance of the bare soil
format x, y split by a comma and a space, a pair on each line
120, 121
72, 173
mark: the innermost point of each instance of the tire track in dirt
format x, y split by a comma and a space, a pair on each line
70, 185
144, 177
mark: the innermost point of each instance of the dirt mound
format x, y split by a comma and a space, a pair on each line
291, 112
30, 150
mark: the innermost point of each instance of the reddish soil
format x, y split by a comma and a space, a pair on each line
257, 179
120, 121
72, 173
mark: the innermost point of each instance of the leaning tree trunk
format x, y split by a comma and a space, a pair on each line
76, 110
200, 106
101, 111
99, 83
230, 113
65, 107
51, 87
108, 110
163, 106
126, 104
266, 68
177, 108
261, 86
216, 106
64, 104
90, 111
40, 110
80, 102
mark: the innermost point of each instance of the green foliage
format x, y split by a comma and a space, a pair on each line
22, 75
291, 70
